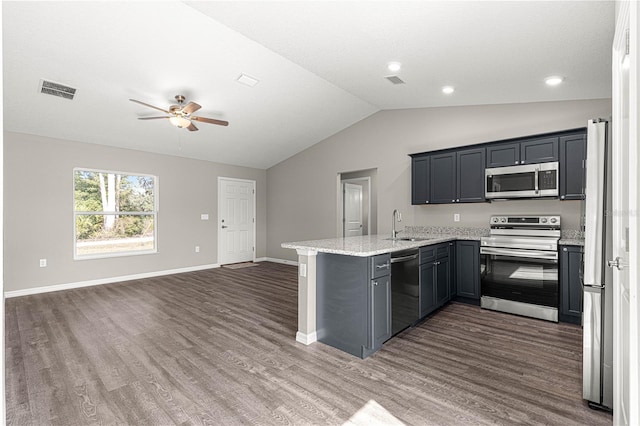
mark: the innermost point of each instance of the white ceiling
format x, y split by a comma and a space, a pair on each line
321, 66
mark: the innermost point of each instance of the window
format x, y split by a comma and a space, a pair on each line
115, 214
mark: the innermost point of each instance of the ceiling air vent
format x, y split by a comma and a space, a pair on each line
394, 79
57, 89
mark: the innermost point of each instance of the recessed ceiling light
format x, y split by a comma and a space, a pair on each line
554, 80
448, 90
394, 66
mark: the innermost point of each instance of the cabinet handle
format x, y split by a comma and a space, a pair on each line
383, 266
436, 263
453, 201
458, 200
562, 197
426, 202
375, 283
564, 249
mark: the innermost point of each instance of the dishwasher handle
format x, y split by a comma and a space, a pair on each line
404, 258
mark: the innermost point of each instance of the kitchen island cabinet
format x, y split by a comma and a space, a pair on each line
353, 302
344, 291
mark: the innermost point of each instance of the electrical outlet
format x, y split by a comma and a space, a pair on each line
43, 263
204, 216
456, 217
197, 249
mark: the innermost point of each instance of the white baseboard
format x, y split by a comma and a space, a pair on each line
69, 286
306, 339
273, 259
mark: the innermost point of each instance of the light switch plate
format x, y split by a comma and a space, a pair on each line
456, 217
303, 269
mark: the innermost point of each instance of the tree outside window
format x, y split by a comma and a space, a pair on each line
115, 213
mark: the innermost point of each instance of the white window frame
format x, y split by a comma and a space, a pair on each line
156, 184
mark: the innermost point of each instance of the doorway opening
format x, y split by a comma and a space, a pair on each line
357, 201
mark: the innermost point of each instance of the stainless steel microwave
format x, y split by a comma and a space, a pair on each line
523, 181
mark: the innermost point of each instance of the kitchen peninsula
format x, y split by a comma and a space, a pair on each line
344, 287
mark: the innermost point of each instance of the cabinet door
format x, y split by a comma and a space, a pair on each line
470, 175
380, 305
570, 286
427, 289
442, 281
420, 180
542, 150
573, 153
503, 154
443, 178
468, 269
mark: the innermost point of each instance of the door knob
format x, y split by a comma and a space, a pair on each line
616, 264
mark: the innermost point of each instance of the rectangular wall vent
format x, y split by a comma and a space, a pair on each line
394, 79
57, 89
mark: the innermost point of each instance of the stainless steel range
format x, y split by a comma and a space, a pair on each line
520, 266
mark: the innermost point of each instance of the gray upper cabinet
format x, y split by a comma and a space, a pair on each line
540, 150
420, 179
448, 177
470, 175
443, 178
573, 153
503, 154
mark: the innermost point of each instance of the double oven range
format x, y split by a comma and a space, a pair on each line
519, 266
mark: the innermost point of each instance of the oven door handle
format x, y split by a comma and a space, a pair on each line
533, 254
537, 186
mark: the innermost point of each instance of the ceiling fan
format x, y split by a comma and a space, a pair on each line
180, 115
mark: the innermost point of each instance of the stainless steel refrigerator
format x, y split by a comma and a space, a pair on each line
597, 316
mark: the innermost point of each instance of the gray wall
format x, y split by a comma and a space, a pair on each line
38, 220
301, 201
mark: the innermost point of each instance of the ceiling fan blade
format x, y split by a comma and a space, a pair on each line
192, 128
150, 118
150, 106
210, 121
190, 108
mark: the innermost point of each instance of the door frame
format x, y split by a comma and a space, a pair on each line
627, 25
363, 180
255, 209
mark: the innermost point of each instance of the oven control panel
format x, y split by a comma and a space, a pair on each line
525, 221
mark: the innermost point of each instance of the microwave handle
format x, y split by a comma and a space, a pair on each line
537, 188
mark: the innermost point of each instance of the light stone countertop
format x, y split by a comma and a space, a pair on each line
571, 242
371, 245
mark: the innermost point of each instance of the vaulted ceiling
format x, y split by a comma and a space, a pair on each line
320, 66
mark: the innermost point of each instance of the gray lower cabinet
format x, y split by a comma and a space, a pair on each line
468, 270
435, 278
570, 285
353, 302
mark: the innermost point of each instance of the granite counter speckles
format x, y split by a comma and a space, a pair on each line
371, 245
572, 237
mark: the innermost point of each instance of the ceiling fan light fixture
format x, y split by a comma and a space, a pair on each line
180, 122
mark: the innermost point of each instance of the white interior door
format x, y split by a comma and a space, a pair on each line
352, 209
625, 222
236, 220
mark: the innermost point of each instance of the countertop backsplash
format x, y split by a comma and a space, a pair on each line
458, 230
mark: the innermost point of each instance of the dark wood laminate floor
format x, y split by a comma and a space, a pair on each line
217, 347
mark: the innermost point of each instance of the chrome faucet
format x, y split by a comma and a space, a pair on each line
395, 216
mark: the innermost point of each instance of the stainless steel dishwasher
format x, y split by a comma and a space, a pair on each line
405, 289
